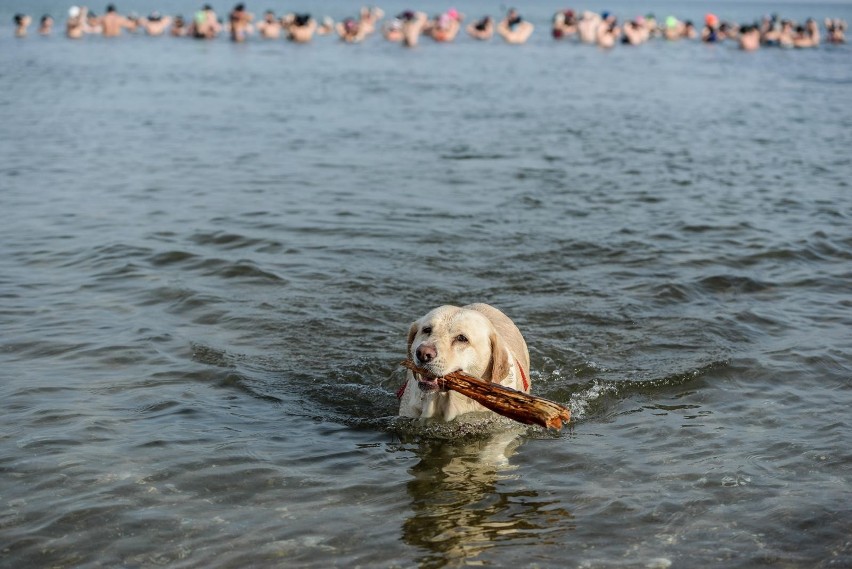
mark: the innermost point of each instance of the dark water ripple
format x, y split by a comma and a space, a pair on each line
206, 282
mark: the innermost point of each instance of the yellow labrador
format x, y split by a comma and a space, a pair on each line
476, 339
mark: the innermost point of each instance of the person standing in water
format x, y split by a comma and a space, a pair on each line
22, 22
112, 23
608, 31
269, 28
446, 26
564, 24
481, 30
240, 23
300, 27
835, 28
350, 30
205, 24
514, 29
412, 26
75, 26
155, 24
45, 26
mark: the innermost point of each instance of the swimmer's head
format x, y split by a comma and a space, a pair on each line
110, 8
73, 11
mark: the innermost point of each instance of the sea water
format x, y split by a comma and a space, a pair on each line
211, 254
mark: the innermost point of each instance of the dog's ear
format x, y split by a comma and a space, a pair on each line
411, 333
500, 364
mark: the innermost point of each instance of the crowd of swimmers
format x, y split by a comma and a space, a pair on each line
605, 31
408, 27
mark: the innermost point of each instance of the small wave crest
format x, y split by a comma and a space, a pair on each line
352, 395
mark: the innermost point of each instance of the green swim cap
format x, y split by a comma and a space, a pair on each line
671, 22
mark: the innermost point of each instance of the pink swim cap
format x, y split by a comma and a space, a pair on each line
453, 13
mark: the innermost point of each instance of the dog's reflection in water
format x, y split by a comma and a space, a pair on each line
467, 498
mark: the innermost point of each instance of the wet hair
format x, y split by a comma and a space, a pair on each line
301, 19
206, 7
240, 7
45, 18
19, 19
110, 8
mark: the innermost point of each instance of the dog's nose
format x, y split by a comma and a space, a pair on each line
426, 353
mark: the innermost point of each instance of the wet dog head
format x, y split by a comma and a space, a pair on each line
449, 339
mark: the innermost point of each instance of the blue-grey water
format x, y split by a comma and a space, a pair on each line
211, 254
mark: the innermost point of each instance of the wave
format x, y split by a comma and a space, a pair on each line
362, 394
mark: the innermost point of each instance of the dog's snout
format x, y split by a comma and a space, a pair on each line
426, 353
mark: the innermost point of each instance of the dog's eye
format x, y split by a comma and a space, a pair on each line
427, 330
462, 338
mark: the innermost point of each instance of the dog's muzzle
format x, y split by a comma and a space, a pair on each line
427, 383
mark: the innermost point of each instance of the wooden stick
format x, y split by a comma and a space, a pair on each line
511, 403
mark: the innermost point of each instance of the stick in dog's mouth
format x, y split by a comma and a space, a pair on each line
517, 405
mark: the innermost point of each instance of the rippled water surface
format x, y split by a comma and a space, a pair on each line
212, 253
